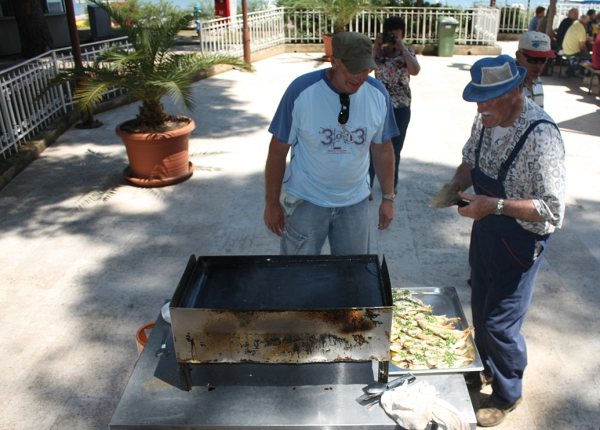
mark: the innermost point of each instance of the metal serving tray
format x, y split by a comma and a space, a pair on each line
444, 301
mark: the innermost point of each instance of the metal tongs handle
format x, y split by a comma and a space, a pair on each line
408, 379
374, 391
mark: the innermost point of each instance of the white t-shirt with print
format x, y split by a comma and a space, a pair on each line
329, 161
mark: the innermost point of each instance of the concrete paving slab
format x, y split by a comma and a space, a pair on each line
86, 259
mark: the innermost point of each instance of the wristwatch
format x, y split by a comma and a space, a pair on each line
499, 207
390, 197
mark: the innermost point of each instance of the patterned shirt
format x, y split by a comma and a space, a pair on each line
393, 73
538, 171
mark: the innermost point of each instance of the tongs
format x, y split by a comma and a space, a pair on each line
373, 391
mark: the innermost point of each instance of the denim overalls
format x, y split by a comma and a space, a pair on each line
504, 259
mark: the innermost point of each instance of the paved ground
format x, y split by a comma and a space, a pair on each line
86, 259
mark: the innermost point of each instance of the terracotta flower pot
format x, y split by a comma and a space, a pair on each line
328, 46
158, 159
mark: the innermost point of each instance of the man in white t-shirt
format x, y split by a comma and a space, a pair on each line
533, 53
330, 119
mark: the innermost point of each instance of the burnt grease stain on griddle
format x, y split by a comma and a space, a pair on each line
339, 330
351, 321
302, 345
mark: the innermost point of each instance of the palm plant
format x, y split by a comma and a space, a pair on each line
149, 69
341, 12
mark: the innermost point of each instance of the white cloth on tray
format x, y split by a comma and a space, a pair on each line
416, 405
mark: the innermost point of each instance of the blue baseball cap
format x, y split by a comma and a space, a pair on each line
493, 77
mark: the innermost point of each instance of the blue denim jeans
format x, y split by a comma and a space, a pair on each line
308, 225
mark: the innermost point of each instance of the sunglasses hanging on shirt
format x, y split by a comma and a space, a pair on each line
345, 109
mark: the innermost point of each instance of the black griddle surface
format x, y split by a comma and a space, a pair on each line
283, 283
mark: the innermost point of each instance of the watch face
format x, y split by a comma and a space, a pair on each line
499, 207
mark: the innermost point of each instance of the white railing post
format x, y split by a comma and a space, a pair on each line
26, 107
7, 138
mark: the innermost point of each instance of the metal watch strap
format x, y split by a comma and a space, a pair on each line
499, 207
390, 197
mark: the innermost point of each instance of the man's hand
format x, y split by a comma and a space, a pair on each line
274, 218
274, 171
479, 206
378, 43
386, 214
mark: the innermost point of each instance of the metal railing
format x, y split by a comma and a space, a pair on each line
23, 112
225, 35
477, 26
514, 20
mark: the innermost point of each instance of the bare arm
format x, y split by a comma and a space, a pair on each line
274, 171
411, 61
383, 161
462, 177
482, 206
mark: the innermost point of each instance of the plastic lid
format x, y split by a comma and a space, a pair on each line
448, 20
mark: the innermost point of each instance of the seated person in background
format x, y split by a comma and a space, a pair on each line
593, 20
534, 51
539, 14
596, 54
575, 44
564, 26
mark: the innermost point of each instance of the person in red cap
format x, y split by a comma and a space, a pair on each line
533, 53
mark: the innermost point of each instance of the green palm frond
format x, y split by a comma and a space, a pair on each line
149, 69
90, 93
341, 12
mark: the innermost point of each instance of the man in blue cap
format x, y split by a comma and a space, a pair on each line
514, 160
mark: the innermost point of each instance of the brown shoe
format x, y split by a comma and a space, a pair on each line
491, 414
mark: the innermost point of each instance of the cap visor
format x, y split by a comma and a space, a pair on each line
360, 65
539, 54
476, 94
473, 93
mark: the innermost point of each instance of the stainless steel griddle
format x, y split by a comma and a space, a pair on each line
282, 310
